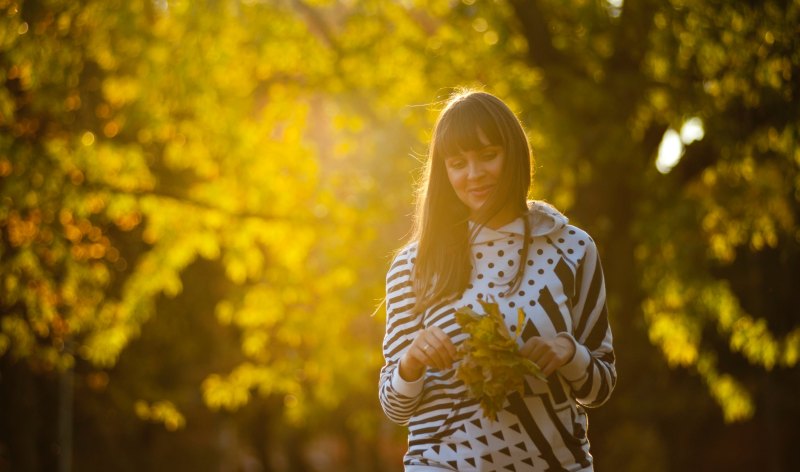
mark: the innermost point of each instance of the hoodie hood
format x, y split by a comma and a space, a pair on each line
544, 220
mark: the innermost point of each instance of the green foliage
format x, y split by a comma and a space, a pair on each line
731, 201
490, 365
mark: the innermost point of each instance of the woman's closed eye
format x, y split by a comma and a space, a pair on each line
455, 163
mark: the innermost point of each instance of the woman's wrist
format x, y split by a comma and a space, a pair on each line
569, 343
407, 372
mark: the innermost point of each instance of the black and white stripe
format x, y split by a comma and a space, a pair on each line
562, 292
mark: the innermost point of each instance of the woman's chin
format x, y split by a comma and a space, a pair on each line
475, 207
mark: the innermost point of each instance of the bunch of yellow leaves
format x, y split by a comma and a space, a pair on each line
491, 365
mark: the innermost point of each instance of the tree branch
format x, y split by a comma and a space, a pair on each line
541, 51
199, 204
631, 36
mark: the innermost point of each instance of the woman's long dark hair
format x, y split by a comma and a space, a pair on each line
441, 226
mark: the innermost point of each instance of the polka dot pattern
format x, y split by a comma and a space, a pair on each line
543, 275
499, 260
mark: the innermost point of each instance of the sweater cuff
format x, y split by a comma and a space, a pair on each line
575, 369
404, 387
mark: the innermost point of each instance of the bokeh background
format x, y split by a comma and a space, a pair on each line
199, 201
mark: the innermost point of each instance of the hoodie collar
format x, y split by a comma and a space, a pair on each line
544, 220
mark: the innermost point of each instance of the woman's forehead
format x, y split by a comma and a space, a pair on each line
460, 141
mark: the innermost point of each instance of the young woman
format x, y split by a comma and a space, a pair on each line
478, 238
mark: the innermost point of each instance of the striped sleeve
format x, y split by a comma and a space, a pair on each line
399, 398
591, 372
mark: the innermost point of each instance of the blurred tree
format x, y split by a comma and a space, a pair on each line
705, 252
140, 137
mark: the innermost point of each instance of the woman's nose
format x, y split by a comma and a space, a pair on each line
475, 169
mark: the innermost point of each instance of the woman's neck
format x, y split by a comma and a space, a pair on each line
504, 217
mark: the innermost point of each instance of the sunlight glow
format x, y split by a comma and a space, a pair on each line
692, 130
672, 144
669, 151
614, 7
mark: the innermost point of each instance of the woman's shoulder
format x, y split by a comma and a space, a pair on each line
545, 219
404, 257
407, 251
574, 232
549, 222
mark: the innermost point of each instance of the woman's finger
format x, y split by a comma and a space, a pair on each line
434, 348
427, 352
419, 355
548, 354
550, 367
531, 346
441, 362
545, 360
437, 353
539, 353
444, 342
526, 348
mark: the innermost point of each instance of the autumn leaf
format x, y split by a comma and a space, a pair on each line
491, 365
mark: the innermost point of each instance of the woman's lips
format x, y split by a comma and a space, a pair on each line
481, 192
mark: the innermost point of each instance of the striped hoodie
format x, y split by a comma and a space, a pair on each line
562, 293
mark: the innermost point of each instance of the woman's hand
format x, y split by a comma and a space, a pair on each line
431, 348
549, 353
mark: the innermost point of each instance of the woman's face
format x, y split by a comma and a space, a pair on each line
475, 174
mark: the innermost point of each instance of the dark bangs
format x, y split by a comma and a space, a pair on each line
458, 129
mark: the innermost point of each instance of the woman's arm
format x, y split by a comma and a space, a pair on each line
399, 398
591, 372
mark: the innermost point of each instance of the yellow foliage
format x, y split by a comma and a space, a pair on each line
103, 347
219, 394
233, 391
255, 344
270, 142
736, 402
120, 90
676, 336
161, 411
749, 336
791, 349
